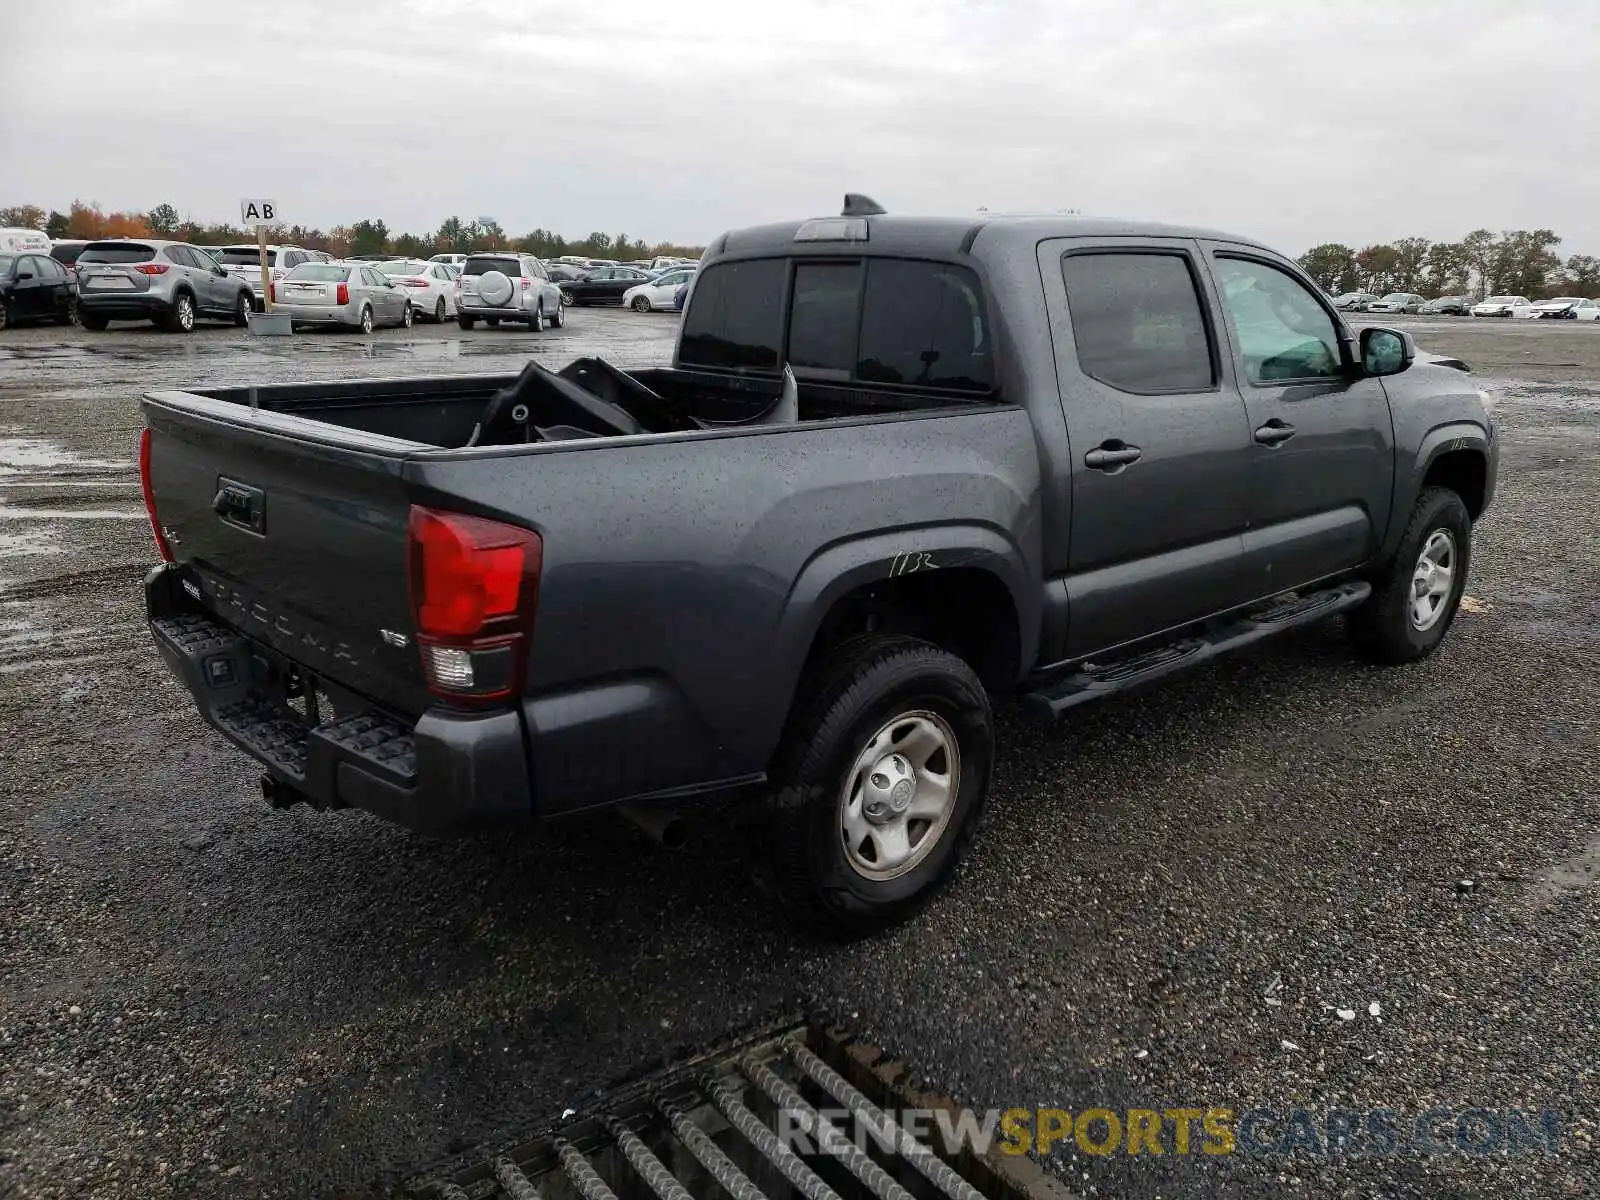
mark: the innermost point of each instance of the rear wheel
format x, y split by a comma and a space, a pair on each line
492, 322
641, 304
243, 309
5, 314
536, 322
881, 782
438, 312
181, 318
366, 319
466, 322
407, 316
92, 321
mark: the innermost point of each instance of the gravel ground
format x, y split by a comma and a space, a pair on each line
201, 996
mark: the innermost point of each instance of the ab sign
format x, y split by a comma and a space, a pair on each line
259, 212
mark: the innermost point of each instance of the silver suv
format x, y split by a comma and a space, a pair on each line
507, 286
244, 262
172, 284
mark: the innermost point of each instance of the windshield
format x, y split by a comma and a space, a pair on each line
1564, 300
235, 256
404, 268
320, 273
1397, 297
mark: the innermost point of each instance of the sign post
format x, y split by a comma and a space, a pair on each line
261, 213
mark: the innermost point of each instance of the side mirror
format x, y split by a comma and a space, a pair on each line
1386, 351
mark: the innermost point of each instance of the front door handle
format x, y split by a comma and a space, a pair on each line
1274, 432
1112, 455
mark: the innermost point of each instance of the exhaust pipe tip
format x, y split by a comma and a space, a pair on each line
663, 826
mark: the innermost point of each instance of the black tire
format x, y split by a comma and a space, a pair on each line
492, 322
466, 322
1383, 628
438, 312
408, 316
5, 314
366, 322
536, 322
243, 307
860, 687
558, 319
641, 304
93, 321
182, 317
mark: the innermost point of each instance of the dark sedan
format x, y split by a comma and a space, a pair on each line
35, 287
603, 285
1448, 306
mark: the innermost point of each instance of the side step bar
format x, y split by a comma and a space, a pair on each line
1092, 681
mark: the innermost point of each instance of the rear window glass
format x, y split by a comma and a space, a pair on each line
117, 252
822, 317
923, 324
6, 260
319, 273
235, 256
66, 254
1136, 319
482, 266
404, 268
736, 319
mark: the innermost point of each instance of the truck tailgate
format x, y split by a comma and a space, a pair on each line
294, 533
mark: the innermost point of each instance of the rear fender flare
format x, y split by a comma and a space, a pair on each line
845, 566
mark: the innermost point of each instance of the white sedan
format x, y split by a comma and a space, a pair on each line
1586, 310
430, 285
657, 294
1505, 306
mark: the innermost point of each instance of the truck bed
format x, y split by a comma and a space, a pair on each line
442, 412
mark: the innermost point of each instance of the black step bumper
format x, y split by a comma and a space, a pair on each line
442, 771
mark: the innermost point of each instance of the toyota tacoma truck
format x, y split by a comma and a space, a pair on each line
898, 468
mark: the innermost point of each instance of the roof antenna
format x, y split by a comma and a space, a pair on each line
857, 205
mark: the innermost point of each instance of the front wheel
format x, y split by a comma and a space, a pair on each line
558, 319
181, 318
243, 309
880, 784
1415, 595
641, 304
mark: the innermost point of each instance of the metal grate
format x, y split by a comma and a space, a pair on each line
709, 1130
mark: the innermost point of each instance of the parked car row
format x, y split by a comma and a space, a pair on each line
1570, 308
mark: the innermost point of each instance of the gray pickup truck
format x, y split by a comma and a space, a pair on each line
897, 469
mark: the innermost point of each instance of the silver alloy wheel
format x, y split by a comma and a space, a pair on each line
407, 316
185, 313
366, 320
438, 311
1432, 580
898, 797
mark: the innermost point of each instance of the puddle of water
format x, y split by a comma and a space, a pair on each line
18, 545
7, 513
25, 454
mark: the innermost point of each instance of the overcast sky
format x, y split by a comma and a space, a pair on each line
1295, 121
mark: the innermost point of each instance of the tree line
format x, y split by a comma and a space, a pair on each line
1517, 262
90, 222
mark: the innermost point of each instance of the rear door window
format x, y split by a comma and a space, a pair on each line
1137, 322
117, 252
736, 320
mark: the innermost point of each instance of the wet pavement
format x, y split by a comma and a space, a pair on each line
202, 996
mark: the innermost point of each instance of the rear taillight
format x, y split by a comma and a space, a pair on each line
341, 294
272, 290
415, 282
474, 591
527, 283
150, 268
150, 495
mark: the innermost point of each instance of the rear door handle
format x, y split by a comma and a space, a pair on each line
1112, 455
1274, 432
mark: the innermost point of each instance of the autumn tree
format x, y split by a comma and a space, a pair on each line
23, 216
163, 220
1410, 255
1331, 265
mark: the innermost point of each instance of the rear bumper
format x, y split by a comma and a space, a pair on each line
442, 771
139, 306
506, 312
319, 314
